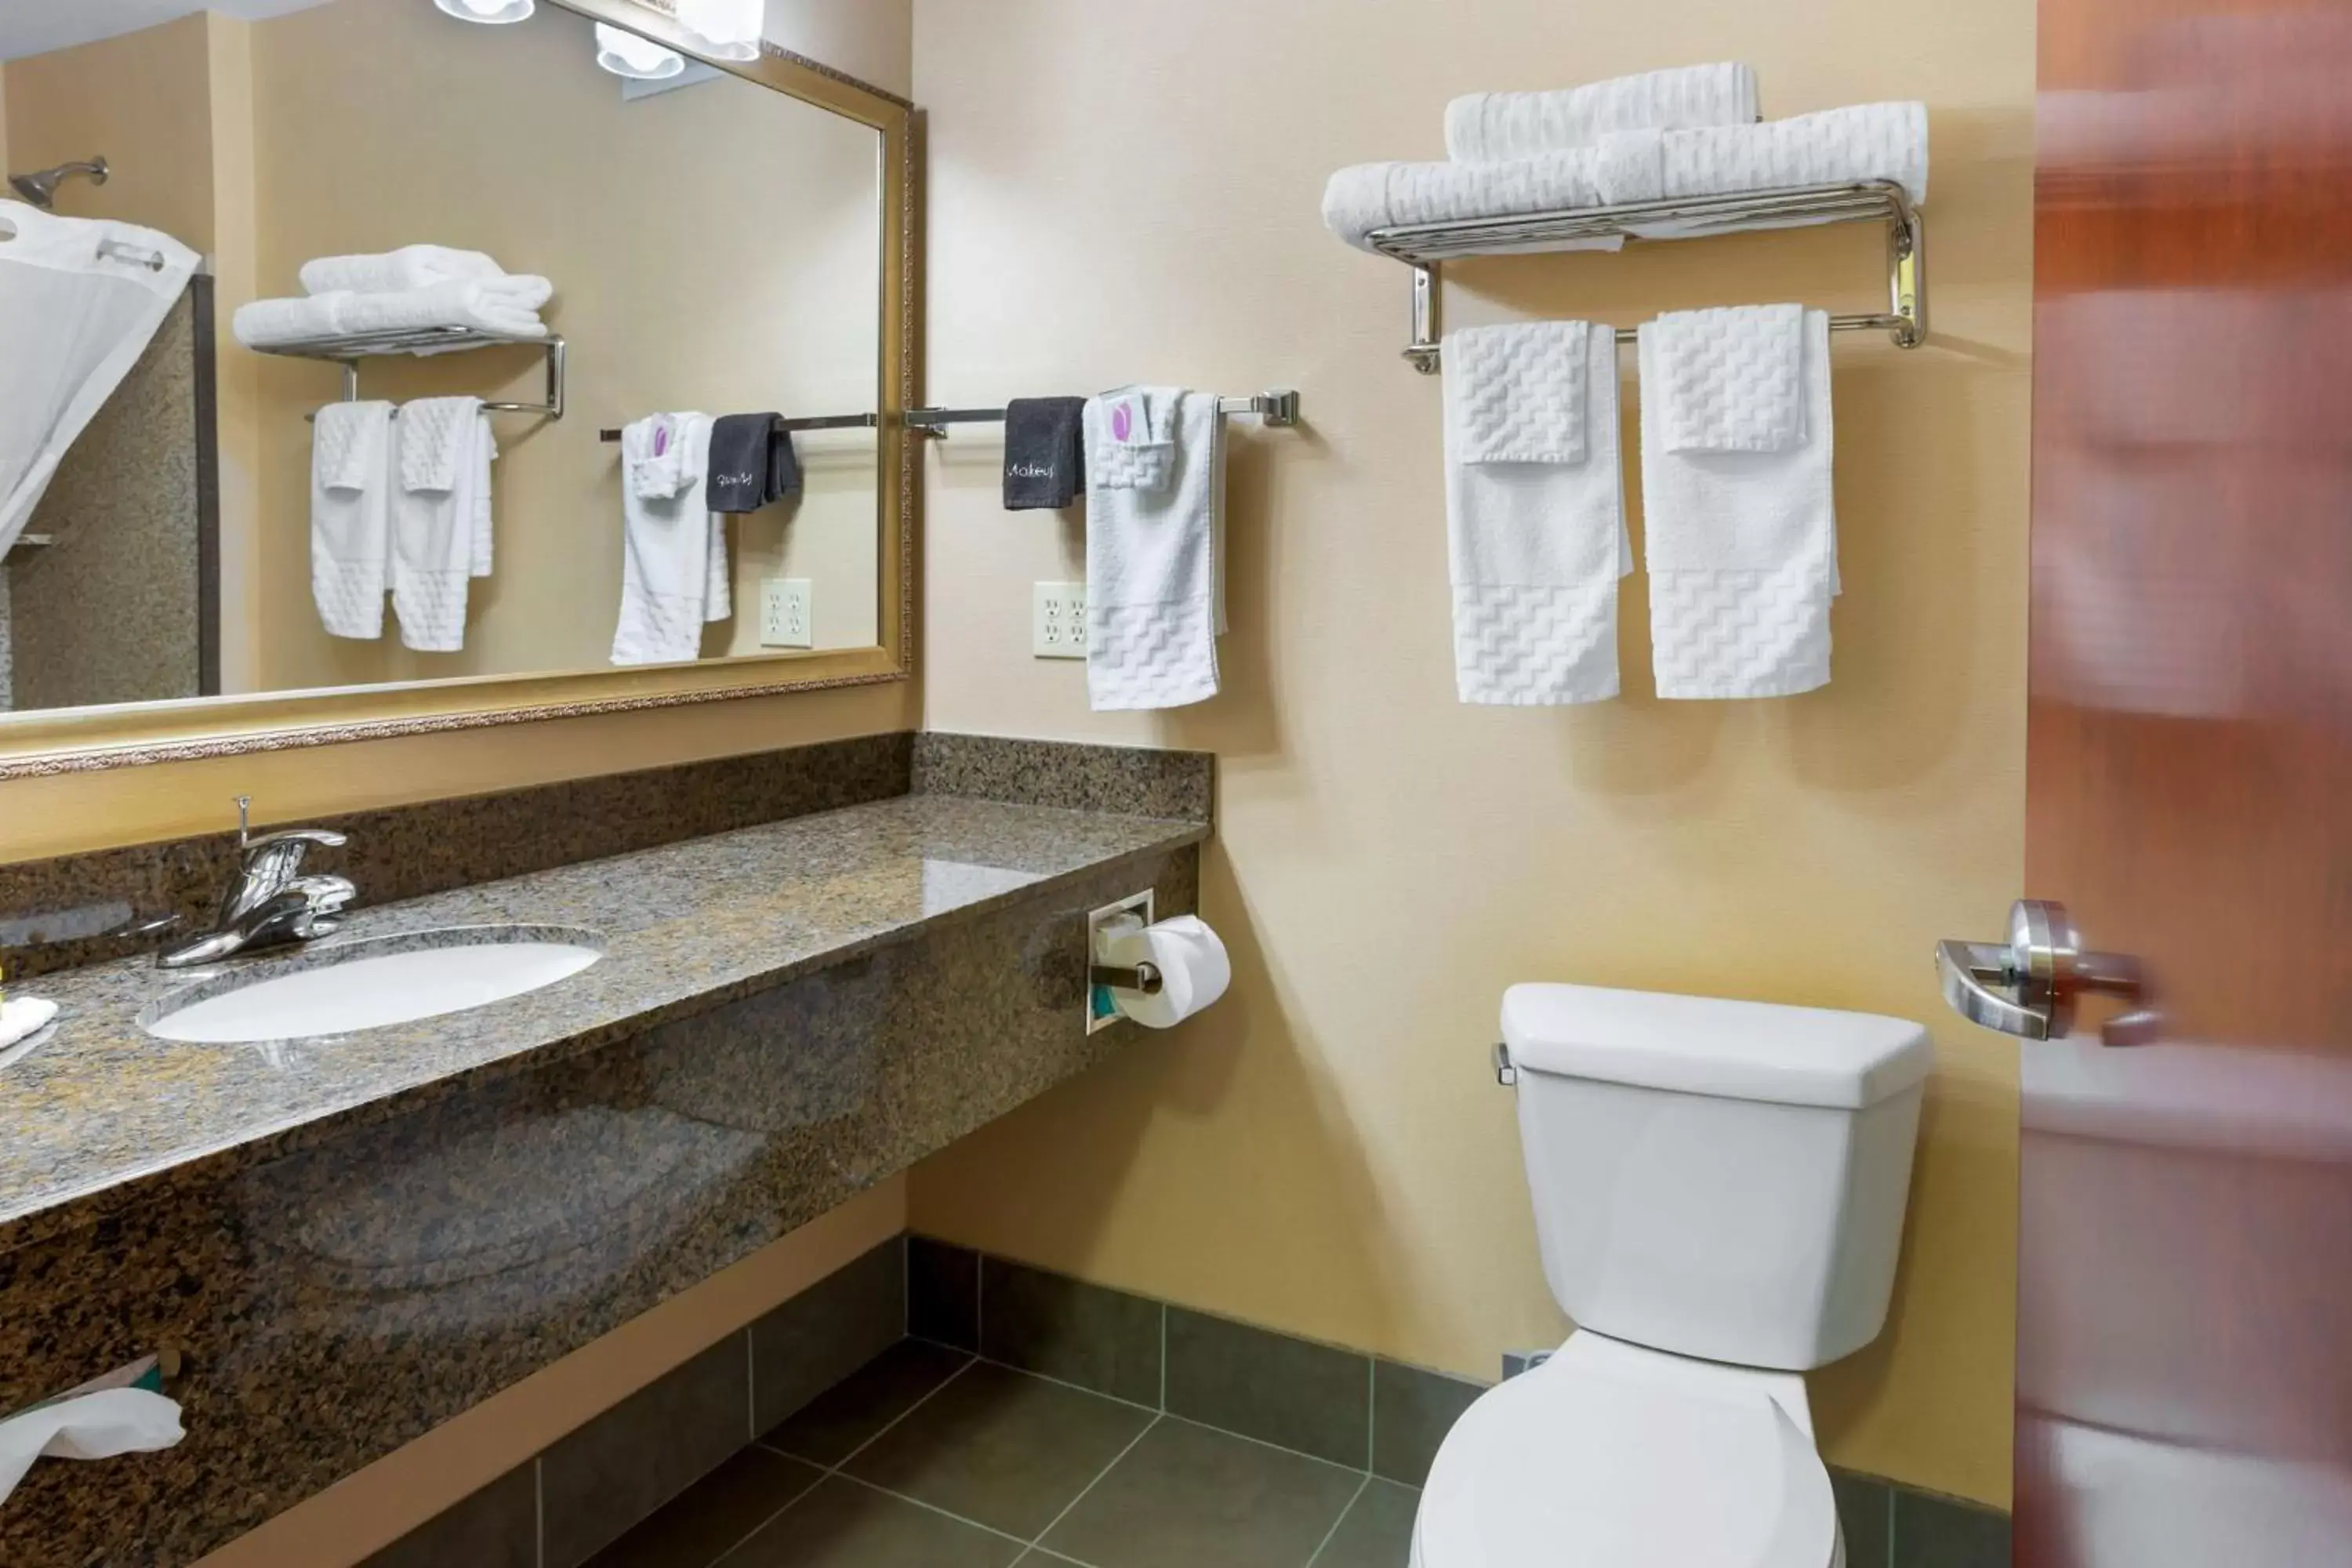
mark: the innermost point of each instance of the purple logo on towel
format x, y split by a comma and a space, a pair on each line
1122, 423
661, 439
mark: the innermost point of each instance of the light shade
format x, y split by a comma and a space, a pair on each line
623, 53
729, 30
491, 11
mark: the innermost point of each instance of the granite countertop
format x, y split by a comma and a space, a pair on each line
100, 1108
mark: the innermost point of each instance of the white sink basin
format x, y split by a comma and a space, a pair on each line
371, 985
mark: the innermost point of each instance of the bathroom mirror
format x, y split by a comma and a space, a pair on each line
243, 499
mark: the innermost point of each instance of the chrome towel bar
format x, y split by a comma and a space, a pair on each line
1424, 247
1279, 408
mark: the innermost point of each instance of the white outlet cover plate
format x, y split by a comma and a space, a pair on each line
1057, 620
787, 613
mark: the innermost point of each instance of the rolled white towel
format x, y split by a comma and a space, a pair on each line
1494, 127
393, 271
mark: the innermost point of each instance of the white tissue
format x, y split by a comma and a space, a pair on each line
91, 1427
1194, 970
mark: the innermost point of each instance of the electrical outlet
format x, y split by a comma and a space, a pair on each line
1057, 625
787, 617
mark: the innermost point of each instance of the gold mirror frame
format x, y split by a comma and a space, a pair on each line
131, 734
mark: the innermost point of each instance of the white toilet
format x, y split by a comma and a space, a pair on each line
1718, 1195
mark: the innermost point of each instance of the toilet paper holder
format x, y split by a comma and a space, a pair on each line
1143, 978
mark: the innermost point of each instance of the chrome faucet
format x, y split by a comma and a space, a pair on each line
269, 903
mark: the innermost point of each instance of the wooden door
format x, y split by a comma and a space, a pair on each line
2185, 1312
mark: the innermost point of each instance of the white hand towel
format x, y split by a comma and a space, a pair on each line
436, 519
504, 305
718, 590
350, 484
22, 1017
1631, 167
1155, 590
1535, 523
665, 576
391, 272
479, 502
1741, 543
1864, 142
1491, 127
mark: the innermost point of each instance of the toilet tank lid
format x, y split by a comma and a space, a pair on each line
1709, 1044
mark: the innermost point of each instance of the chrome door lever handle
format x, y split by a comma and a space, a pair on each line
2029, 987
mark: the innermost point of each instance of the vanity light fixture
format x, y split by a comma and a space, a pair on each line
624, 54
493, 12
729, 30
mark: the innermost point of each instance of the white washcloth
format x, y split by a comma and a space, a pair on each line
1864, 142
22, 1017
1741, 543
1155, 557
1492, 127
391, 272
1536, 537
440, 510
351, 499
1631, 167
652, 458
667, 578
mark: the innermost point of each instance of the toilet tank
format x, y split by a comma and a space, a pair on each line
1717, 1178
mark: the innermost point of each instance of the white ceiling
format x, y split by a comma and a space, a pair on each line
36, 26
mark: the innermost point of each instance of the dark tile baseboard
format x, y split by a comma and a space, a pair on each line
815, 1379
1325, 1401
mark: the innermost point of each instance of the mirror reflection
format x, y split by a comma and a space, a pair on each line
393, 341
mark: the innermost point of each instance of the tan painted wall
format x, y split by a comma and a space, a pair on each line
373, 1507
1122, 193
143, 100
752, 282
873, 40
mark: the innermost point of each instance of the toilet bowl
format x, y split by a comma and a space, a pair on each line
1718, 1189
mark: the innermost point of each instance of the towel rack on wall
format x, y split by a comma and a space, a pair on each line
348, 349
1277, 407
1424, 247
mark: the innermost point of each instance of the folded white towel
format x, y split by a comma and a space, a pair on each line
269, 324
1730, 380
393, 271
665, 549
1741, 543
351, 483
1536, 537
439, 504
1491, 127
506, 305
22, 1017
1155, 564
1864, 142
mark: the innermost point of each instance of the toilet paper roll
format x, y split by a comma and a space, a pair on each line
1194, 970
89, 1427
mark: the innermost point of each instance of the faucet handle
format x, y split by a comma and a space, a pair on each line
324, 838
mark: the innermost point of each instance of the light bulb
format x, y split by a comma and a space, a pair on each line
625, 54
490, 11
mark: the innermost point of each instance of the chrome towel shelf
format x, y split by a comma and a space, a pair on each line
1424, 247
348, 349
1277, 407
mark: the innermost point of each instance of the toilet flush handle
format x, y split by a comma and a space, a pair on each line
1505, 1073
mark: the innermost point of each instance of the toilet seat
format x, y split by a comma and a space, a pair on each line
1616, 1457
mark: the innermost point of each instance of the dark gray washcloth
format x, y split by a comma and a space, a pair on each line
752, 462
1045, 453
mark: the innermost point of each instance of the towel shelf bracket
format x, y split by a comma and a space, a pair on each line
349, 351
1426, 247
